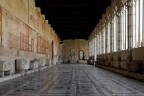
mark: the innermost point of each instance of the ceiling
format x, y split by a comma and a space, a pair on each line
73, 19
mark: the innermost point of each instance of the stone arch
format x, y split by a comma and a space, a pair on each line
81, 55
52, 46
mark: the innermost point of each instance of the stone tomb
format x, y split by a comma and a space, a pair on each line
7, 67
22, 65
34, 64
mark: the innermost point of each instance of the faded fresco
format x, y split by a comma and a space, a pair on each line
20, 36
17, 7
11, 28
0, 26
25, 35
35, 18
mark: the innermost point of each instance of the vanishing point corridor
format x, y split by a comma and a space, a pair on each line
66, 47
72, 80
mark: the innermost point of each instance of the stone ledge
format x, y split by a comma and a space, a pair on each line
82, 61
6, 78
125, 73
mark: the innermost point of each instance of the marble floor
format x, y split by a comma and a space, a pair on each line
72, 80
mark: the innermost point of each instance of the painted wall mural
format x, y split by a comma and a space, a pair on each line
19, 36
0, 26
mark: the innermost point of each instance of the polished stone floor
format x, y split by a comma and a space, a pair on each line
72, 80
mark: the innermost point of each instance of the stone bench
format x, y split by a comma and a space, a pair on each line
82, 61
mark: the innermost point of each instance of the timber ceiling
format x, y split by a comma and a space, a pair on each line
73, 19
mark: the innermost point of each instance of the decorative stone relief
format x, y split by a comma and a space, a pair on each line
72, 54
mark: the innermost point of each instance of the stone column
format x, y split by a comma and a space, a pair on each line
119, 32
99, 43
139, 41
95, 48
93, 44
143, 27
102, 42
111, 36
106, 39
130, 29
60, 57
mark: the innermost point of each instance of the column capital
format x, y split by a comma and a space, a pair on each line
130, 3
118, 14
